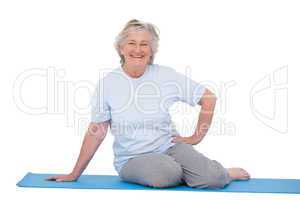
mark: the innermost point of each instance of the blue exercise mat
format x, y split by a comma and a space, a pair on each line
255, 185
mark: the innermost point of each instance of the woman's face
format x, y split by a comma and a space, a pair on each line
136, 49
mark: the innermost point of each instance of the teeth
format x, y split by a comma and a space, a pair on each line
137, 56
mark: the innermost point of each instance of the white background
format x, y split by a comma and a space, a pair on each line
237, 43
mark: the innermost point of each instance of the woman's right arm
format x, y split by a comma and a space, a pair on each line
92, 140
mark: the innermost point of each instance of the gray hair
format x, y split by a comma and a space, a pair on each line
136, 25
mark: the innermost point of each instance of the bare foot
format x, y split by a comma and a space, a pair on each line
238, 173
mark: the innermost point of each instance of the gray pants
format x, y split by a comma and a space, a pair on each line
178, 165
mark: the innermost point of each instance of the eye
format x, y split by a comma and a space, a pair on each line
131, 43
144, 44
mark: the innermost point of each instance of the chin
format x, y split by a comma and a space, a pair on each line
137, 64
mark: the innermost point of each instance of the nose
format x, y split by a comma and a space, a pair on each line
137, 49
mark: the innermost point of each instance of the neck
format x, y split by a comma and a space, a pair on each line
134, 72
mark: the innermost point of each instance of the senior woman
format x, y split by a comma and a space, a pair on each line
134, 100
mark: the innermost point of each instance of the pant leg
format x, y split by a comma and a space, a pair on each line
153, 169
198, 170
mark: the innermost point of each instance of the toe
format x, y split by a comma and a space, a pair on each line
247, 176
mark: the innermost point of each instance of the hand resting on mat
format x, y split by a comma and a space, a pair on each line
62, 178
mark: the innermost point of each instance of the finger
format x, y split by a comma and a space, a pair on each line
177, 139
52, 178
64, 180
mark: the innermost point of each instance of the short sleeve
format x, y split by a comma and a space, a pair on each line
190, 91
100, 110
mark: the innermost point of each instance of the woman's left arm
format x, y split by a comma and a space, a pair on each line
207, 102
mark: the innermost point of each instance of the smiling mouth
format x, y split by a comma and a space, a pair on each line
136, 57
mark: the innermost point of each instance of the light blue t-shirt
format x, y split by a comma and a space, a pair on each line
138, 109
